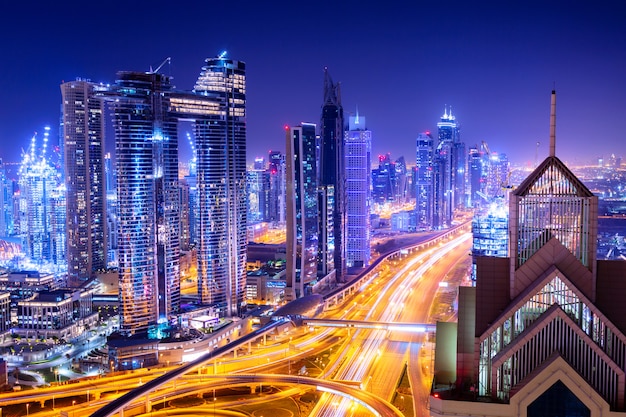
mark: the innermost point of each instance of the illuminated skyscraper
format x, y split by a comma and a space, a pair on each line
543, 331
449, 171
6, 203
83, 143
358, 147
221, 181
424, 180
331, 168
148, 201
276, 201
41, 206
302, 208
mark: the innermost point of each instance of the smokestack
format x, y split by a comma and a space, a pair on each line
553, 123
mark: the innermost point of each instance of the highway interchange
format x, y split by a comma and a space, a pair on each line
370, 359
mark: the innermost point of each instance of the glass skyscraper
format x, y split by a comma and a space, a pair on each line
358, 147
220, 135
83, 144
424, 180
148, 201
331, 168
302, 208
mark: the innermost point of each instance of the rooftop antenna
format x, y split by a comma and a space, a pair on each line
553, 123
537, 154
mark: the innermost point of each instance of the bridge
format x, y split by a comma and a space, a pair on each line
361, 324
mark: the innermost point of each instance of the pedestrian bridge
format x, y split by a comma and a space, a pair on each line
380, 325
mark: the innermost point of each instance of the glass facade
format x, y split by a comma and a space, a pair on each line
148, 201
302, 207
331, 165
423, 180
220, 132
83, 143
358, 147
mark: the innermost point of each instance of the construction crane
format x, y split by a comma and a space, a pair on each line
167, 60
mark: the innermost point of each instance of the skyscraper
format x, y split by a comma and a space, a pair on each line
543, 331
424, 180
146, 140
302, 208
358, 148
221, 180
276, 200
39, 201
331, 168
83, 144
449, 171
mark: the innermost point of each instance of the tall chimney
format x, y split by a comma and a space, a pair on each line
553, 123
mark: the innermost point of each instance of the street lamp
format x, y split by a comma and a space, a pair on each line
27, 407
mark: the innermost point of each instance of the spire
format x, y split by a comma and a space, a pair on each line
356, 119
445, 112
553, 123
332, 94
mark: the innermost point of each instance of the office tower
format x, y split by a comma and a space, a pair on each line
543, 331
111, 210
186, 213
449, 171
83, 144
221, 175
146, 142
424, 180
497, 174
358, 147
259, 163
276, 200
384, 180
400, 189
476, 177
331, 169
326, 231
302, 208
37, 202
6, 203
257, 185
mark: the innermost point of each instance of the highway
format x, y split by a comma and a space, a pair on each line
375, 358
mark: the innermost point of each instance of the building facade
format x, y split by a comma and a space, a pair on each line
221, 180
358, 148
146, 140
83, 144
423, 179
331, 166
302, 209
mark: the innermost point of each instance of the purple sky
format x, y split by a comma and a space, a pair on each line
400, 62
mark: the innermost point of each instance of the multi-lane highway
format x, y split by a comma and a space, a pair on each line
403, 292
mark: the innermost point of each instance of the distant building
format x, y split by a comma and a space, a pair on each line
41, 202
449, 172
83, 142
302, 209
358, 148
423, 180
276, 200
331, 166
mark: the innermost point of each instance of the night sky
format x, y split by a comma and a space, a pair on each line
399, 62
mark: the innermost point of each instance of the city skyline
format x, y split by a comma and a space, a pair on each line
491, 62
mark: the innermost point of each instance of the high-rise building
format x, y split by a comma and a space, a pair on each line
543, 331
424, 180
39, 202
146, 140
276, 200
111, 210
221, 179
331, 168
358, 148
83, 144
257, 183
302, 209
476, 178
449, 171
6, 203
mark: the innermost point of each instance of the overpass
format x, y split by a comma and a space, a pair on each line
361, 324
337, 296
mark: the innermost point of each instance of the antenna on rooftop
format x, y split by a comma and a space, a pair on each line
553, 123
